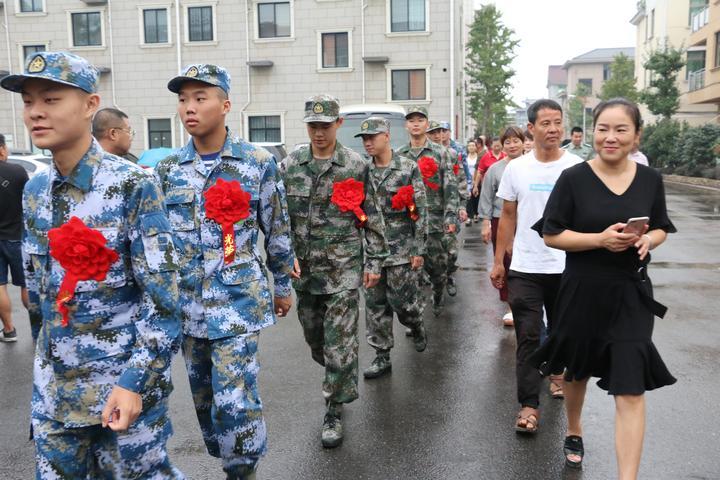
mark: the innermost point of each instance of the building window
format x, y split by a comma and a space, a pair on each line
200, 24
31, 6
32, 49
606, 71
159, 132
409, 84
86, 29
266, 128
717, 49
155, 25
274, 20
695, 62
587, 82
696, 6
652, 23
407, 15
335, 50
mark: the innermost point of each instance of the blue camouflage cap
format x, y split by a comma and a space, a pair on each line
445, 125
61, 67
202, 72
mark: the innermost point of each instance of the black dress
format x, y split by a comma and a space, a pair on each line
605, 310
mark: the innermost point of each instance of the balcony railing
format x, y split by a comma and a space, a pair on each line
696, 80
699, 19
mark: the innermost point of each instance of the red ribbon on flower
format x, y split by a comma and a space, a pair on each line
405, 198
456, 169
348, 195
83, 255
227, 203
428, 169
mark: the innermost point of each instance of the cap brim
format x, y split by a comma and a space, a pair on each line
176, 83
320, 119
15, 83
415, 113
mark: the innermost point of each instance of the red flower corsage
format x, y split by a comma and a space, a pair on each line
348, 195
405, 198
428, 169
227, 203
456, 169
83, 255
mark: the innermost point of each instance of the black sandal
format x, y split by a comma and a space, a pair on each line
573, 446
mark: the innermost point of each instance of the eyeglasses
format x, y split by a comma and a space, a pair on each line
129, 131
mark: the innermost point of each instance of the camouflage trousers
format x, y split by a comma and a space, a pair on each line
330, 326
451, 243
223, 380
397, 292
436, 261
99, 453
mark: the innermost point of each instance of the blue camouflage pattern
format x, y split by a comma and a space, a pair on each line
219, 300
61, 67
201, 72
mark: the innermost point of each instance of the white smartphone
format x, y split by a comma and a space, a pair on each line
636, 225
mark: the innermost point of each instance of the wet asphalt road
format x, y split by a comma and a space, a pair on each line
448, 413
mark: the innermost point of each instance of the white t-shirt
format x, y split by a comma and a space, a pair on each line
529, 183
640, 158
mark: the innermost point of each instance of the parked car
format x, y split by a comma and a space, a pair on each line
354, 115
32, 163
276, 149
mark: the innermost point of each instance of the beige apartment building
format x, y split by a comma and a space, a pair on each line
704, 83
278, 53
670, 22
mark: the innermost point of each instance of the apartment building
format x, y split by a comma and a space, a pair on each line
278, 52
704, 81
557, 82
669, 22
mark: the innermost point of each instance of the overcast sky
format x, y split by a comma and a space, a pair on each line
554, 31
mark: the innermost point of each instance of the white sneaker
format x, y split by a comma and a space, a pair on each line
508, 320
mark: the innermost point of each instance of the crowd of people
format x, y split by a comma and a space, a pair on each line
122, 268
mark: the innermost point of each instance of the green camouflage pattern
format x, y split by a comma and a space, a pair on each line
433, 125
442, 203
201, 72
373, 126
321, 108
397, 292
436, 261
417, 109
404, 237
327, 242
330, 326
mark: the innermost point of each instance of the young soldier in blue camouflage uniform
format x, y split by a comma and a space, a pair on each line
442, 199
101, 381
226, 301
451, 239
328, 244
399, 288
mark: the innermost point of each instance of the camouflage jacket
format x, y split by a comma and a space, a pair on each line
443, 202
327, 242
220, 300
121, 331
460, 176
405, 238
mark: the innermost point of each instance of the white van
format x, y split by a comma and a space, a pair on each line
354, 115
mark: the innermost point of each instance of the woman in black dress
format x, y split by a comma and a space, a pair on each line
605, 309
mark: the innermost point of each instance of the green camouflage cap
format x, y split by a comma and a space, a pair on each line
374, 125
202, 72
61, 67
417, 109
321, 108
434, 125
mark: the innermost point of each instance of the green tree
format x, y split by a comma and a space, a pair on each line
622, 80
662, 96
490, 51
661, 142
576, 105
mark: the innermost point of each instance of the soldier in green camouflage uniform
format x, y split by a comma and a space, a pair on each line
399, 288
331, 255
442, 199
451, 239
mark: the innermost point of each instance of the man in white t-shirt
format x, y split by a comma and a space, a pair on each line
535, 271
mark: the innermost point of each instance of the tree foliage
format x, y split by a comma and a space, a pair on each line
622, 80
490, 51
662, 96
576, 105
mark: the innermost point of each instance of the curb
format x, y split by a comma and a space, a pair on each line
706, 183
